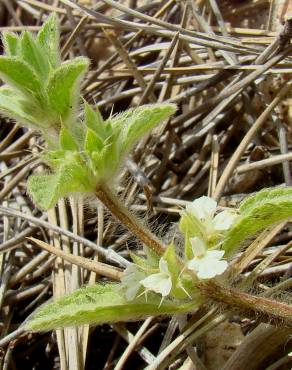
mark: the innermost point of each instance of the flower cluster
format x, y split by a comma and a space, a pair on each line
168, 276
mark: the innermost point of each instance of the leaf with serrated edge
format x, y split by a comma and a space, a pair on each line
100, 304
63, 87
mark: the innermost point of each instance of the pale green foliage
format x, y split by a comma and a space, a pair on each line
99, 304
63, 88
16, 106
136, 122
92, 155
263, 196
21, 76
190, 227
33, 71
175, 290
49, 38
11, 43
265, 208
107, 142
32, 53
69, 177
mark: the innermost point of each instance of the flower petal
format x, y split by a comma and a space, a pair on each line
224, 220
194, 264
214, 255
199, 247
203, 208
163, 266
159, 283
131, 281
132, 291
208, 271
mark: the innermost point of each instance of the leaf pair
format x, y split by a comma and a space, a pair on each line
108, 142
93, 152
35, 77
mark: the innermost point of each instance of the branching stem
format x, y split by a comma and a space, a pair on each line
132, 223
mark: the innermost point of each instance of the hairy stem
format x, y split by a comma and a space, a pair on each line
245, 302
131, 222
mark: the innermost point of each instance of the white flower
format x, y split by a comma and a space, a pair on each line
206, 263
131, 280
160, 282
204, 209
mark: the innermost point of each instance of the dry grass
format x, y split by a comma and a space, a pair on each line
227, 67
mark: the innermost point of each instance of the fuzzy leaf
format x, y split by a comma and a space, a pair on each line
67, 142
20, 75
275, 207
17, 107
49, 38
139, 261
175, 270
11, 43
138, 121
190, 227
63, 87
70, 177
172, 261
34, 56
100, 304
107, 160
262, 196
94, 121
93, 143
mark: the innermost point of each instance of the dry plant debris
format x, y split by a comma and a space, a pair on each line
227, 65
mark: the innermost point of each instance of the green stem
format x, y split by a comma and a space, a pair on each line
245, 302
131, 222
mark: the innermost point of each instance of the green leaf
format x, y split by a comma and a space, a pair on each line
20, 75
152, 257
63, 87
258, 214
100, 304
93, 143
34, 56
262, 196
11, 43
72, 176
94, 121
138, 121
190, 227
172, 261
105, 161
17, 107
49, 38
67, 142
139, 261
175, 270
98, 163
